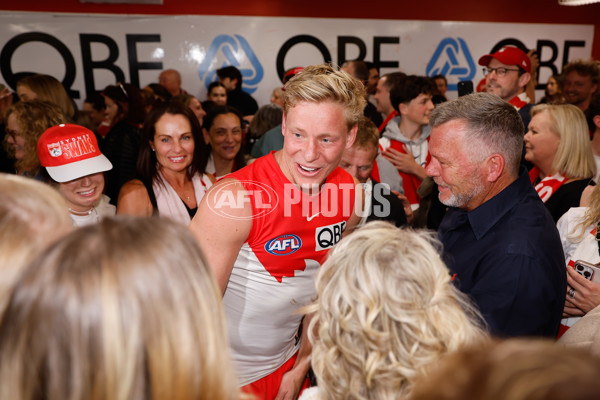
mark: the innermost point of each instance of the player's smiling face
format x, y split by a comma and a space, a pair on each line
315, 137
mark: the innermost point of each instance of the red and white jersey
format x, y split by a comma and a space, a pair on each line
273, 275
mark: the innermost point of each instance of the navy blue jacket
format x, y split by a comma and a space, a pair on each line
507, 255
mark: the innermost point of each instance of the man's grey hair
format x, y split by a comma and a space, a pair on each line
493, 126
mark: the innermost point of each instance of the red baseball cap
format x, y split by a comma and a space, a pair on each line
70, 152
508, 55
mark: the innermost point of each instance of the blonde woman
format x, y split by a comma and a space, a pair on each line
32, 215
578, 229
386, 309
558, 145
123, 309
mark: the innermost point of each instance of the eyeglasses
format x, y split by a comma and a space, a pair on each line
499, 71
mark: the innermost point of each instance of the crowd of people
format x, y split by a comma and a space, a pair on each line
356, 238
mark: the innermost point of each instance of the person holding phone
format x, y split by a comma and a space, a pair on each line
578, 230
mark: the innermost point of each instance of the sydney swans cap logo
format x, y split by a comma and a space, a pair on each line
55, 149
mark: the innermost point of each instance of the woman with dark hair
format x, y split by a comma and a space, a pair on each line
126, 112
217, 93
223, 134
170, 169
553, 92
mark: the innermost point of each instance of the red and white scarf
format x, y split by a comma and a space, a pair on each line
549, 185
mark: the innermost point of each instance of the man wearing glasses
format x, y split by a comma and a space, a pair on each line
507, 73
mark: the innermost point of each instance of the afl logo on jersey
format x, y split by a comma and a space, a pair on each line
283, 245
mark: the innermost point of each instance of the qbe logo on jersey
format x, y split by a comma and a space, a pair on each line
327, 236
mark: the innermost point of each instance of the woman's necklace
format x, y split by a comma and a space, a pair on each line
89, 215
83, 213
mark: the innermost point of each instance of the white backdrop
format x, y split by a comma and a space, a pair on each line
91, 51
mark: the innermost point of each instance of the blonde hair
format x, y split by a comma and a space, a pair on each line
590, 218
48, 88
574, 156
515, 369
32, 214
126, 309
321, 83
33, 118
386, 309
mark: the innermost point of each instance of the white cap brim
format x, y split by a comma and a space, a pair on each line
79, 169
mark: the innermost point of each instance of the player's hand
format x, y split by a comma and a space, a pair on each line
410, 216
403, 162
587, 293
290, 386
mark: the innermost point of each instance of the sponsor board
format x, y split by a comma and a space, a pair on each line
89, 52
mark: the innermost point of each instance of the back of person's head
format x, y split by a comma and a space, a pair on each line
129, 100
184, 98
33, 118
492, 126
123, 309
154, 94
410, 88
32, 214
48, 88
393, 80
367, 135
516, 369
574, 156
266, 118
589, 68
360, 69
386, 309
147, 161
321, 83
231, 72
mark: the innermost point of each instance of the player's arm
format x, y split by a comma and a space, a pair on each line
292, 381
134, 200
222, 225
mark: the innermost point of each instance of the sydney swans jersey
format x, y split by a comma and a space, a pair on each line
273, 275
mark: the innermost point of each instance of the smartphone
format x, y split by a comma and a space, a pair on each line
589, 271
465, 88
